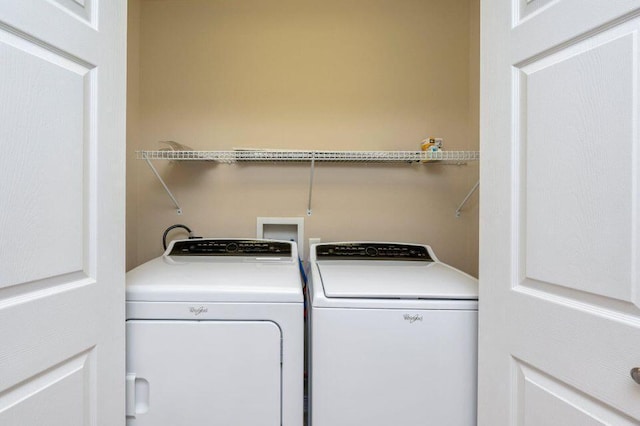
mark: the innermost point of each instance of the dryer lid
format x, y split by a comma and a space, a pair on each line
205, 279
396, 280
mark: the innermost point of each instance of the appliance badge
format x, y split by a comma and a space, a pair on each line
412, 318
199, 310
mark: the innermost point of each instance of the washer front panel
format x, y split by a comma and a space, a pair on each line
381, 367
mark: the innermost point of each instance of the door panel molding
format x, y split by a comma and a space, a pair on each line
527, 9
574, 298
51, 179
53, 395
37, 47
33, 290
554, 27
543, 399
592, 196
81, 9
41, 330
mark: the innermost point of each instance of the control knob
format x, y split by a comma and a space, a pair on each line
371, 251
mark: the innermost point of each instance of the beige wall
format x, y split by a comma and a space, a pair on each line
133, 122
292, 74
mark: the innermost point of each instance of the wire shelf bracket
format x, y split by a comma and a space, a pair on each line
164, 185
459, 209
313, 164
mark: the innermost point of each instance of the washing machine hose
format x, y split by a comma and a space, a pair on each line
177, 225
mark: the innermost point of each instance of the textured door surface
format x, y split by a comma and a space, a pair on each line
62, 98
217, 373
560, 218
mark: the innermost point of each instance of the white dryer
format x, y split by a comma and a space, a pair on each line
392, 335
215, 335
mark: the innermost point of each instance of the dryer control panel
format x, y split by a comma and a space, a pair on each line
216, 247
372, 251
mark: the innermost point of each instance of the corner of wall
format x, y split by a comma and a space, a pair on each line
133, 108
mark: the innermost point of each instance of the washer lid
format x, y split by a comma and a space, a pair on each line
395, 280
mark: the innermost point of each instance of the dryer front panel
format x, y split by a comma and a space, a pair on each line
203, 373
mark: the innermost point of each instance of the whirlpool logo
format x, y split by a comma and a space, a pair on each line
412, 318
199, 310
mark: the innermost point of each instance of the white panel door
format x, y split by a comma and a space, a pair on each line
62, 140
560, 213
217, 373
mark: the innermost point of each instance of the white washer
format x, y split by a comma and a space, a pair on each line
215, 335
392, 335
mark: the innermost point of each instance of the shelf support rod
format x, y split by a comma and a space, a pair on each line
313, 164
459, 209
164, 185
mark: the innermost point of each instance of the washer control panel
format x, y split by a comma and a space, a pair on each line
372, 251
215, 247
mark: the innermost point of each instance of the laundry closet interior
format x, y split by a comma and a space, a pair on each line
355, 75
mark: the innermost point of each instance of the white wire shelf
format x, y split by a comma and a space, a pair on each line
315, 156
179, 152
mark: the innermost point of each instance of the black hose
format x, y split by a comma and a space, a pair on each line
177, 225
